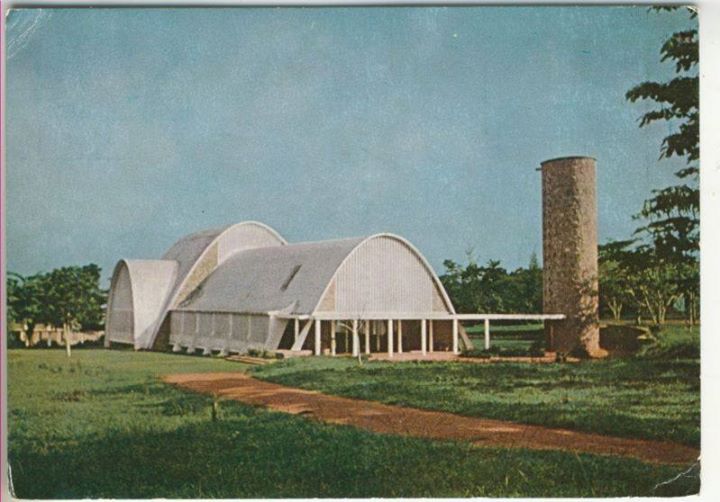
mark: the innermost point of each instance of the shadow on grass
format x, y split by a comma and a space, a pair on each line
255, 453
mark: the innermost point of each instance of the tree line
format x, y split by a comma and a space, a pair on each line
489, 288
634, 283
68, 297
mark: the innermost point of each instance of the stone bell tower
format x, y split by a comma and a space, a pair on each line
570, 256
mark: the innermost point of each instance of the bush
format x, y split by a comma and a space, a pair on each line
264, 354
673, 342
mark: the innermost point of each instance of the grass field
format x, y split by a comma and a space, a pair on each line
101, 425
675, 339
516, 338
653, 397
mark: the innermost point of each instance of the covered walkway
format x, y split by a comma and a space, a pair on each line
395, 337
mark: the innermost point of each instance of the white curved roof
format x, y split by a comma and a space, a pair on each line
190, 248
189, 252
149, 285
293, 278
259, 280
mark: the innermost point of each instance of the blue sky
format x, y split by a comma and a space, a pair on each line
128, 128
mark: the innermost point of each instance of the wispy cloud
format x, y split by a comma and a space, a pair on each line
21, 26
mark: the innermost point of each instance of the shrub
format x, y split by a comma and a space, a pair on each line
673, 342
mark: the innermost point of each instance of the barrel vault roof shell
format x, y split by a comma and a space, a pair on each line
150, 283
292, 278
190, 250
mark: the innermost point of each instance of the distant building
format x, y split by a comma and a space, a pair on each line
244, 287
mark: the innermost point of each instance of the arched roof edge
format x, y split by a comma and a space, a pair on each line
179, 287
413, 250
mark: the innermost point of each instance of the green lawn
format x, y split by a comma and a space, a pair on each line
515, 338
645, 398
101, 425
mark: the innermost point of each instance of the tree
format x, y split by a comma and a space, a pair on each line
491, 289
672, 214
614, 281
640, 276
24, 300
526, 288
68, 297
73, 297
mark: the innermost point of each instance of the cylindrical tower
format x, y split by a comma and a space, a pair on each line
570, 260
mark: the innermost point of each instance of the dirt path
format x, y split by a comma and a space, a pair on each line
389, 419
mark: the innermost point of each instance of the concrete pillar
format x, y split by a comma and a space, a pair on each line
367, 337
318, 337
487, 334
390, 336
333, 341
570, 265
423, 336
455, 336
355, 339
297, 330
400, 349
431, 341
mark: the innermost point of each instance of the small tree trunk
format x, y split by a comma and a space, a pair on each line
66, 336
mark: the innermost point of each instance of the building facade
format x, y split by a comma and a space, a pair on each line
244, 287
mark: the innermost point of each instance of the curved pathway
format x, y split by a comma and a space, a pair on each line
388, 419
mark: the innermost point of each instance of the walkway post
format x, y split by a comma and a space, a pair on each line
318, 340
390, 336
431, 343
487, 334
423, 336
455, 336
367, 337
355, 339
297, 330
333, 340
399, 336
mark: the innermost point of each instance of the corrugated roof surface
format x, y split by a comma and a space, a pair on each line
272, 278
187, 250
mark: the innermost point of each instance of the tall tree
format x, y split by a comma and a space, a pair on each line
672, 213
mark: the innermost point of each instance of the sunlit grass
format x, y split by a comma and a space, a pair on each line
101, 424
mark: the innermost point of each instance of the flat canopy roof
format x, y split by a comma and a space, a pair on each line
429, 316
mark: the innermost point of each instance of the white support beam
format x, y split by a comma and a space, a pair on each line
423, 336
367, 337
355, 339
400, 349
390, 336
431, 341
487, 334
298, 345
297, 331
318, 338
333, 340
455, 336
